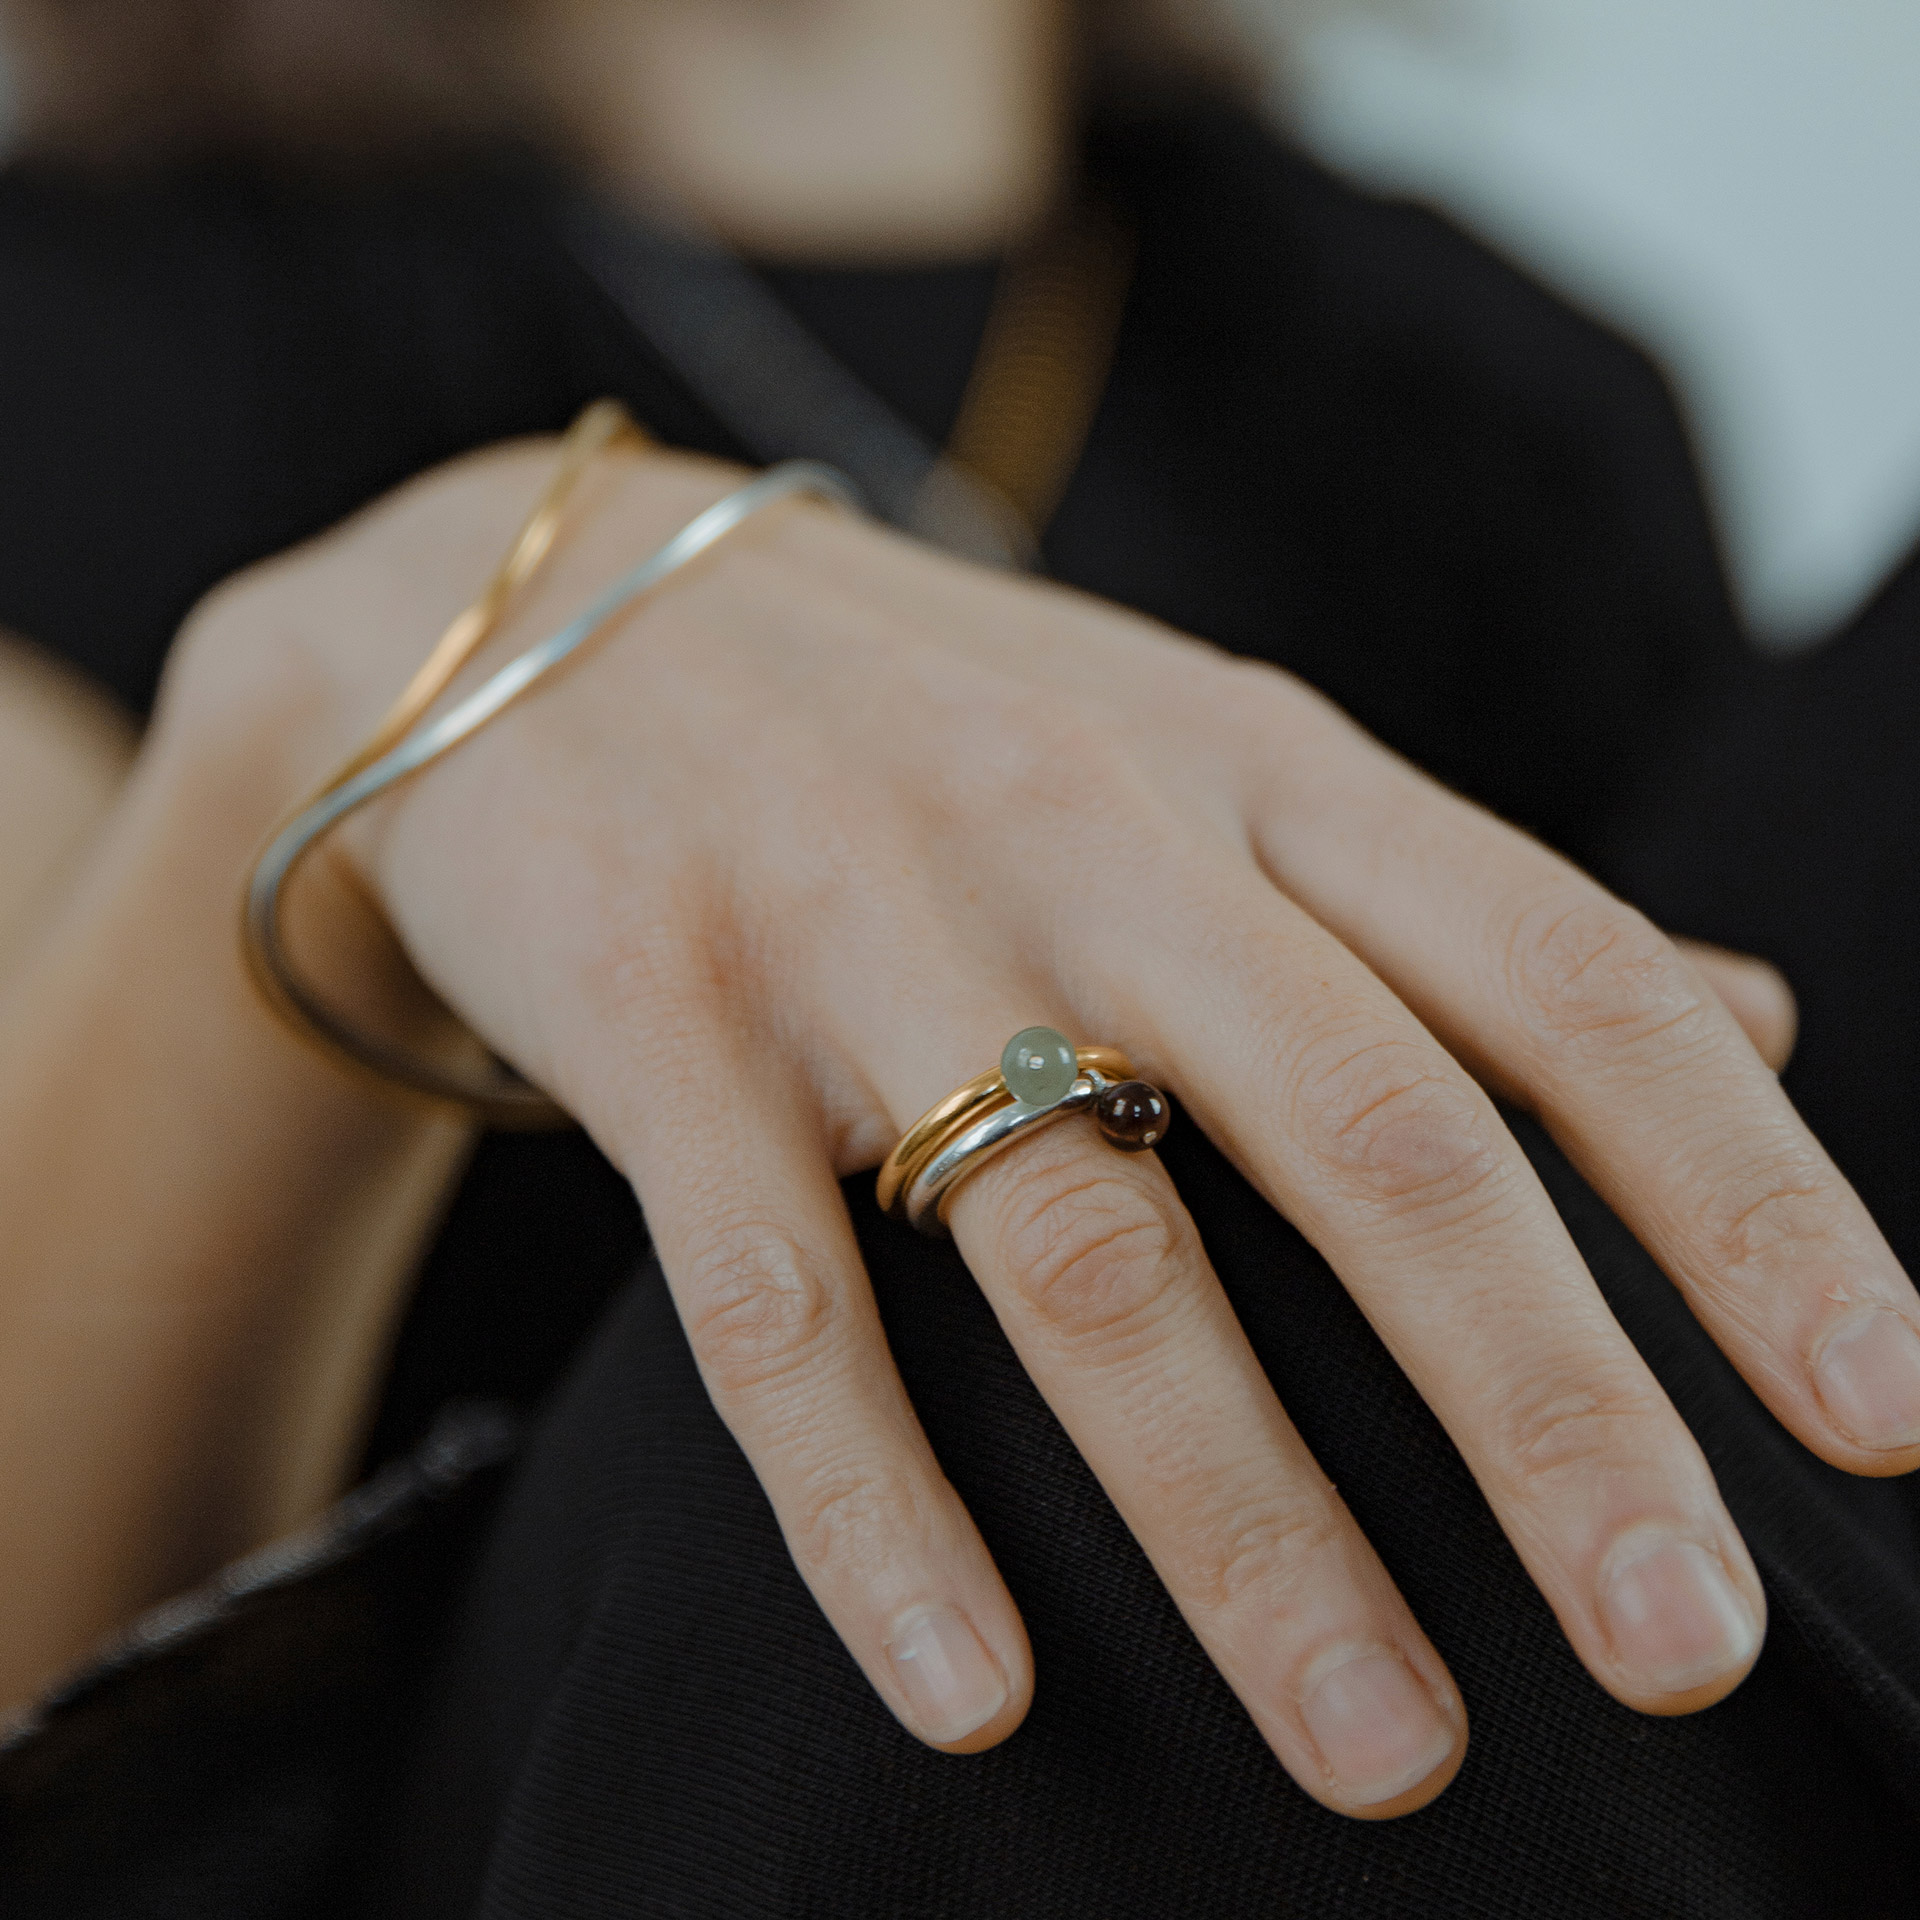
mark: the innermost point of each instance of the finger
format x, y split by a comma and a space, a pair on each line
1388, 1157
733, 1173
1586, 1013
1097, 1275
1756, 994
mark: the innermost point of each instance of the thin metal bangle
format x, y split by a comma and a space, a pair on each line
600, 428
501, 1095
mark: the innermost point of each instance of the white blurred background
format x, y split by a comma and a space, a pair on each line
1735, 182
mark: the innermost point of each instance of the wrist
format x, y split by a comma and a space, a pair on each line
287, 668
284, 673
248, 720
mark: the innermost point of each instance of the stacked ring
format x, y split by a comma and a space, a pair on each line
1041, 1078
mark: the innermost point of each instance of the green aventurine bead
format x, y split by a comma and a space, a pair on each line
1038, 1066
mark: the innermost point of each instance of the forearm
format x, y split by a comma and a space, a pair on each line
206, 1230
64, 753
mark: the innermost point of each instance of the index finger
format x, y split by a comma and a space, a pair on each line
1365, 1133
1587, 1014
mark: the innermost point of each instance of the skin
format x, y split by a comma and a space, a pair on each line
786, 859
856, 131
64, 753
208, 1230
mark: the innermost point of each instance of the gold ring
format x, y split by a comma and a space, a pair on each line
1041, 1078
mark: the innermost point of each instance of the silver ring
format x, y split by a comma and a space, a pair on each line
970, 1151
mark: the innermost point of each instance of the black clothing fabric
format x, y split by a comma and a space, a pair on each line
672, 1729
1790, 826
212, 1763
1339, 436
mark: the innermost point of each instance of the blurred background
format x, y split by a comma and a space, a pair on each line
1736, 183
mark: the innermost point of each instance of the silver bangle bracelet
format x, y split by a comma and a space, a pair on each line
499, 1095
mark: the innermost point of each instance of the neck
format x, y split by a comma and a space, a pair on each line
844, 130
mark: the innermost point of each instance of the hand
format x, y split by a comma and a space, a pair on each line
814, 831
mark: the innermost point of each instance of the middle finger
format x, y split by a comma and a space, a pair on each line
1359, 1127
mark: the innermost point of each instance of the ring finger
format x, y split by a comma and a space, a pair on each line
1097, 1275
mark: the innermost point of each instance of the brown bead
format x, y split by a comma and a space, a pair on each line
1133, 1115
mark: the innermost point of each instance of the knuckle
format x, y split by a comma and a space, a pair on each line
1091, 1255
755, 1305
853, 1518
222, 621
1268, 1552
1390, 1118
1586, 968
1559, 1423
1779, 1203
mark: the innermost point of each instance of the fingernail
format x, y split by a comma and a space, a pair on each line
1869, 1377
952, 1683
1378, 1729
1673, 1616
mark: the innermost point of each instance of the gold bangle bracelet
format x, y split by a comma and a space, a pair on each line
600, 428
406, 742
